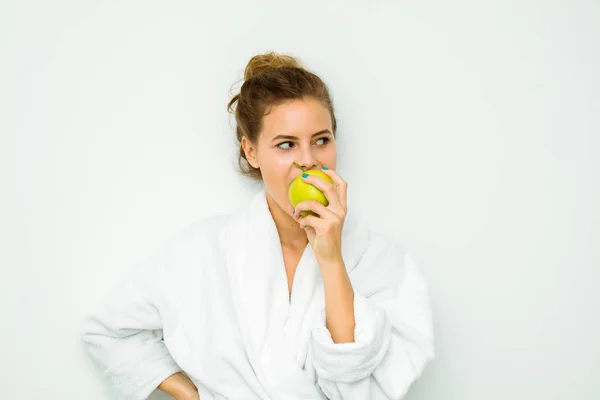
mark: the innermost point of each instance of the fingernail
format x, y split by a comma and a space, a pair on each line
294, 212
305, 175
325, 168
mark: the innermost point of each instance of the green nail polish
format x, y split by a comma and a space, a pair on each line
325, 168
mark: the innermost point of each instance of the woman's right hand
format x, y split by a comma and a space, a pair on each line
180, 387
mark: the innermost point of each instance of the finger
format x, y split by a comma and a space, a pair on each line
316, 223
316, 207
325, 187
341, 186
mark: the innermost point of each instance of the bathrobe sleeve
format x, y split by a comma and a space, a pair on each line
393, 339
124, 334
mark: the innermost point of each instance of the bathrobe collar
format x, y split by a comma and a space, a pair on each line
259, 285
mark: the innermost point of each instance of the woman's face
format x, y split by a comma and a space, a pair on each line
300, 132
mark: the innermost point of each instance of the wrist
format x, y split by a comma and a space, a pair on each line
334, 265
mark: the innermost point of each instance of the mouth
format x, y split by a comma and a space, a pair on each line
294, 178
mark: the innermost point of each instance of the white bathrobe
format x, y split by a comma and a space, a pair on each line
213, 302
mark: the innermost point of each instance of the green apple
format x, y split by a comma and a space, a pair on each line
300, 190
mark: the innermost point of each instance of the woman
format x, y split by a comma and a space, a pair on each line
265, 303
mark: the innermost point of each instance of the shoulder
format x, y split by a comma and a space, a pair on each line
385, 262
378, 245
200, 238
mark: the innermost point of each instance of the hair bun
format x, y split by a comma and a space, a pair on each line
270, 60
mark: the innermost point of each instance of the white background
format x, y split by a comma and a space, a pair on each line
469, 130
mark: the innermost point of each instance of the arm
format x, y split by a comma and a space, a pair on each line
339, 302
393, 339
180, 387
124, 335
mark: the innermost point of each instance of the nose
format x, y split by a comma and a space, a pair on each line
307, 160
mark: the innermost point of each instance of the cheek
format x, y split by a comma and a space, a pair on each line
276, 167
279, 163
331, 156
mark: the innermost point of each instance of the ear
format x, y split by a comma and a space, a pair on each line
250, 151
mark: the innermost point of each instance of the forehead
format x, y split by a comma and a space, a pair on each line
296, 117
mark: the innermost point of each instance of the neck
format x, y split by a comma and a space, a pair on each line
290, 233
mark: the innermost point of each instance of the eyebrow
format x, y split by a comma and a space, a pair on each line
279, 137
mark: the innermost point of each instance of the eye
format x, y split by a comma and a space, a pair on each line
284, 148
326, 139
